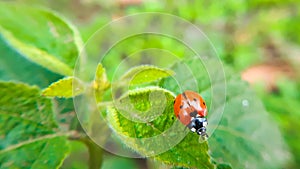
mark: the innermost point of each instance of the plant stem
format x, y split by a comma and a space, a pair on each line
95, 153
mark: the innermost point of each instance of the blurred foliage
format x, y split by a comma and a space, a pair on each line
284, 106
244, 33
113, 162
52, 43
42, 77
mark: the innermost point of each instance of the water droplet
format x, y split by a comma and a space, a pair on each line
245, 103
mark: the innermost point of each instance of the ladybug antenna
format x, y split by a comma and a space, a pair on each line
184, 95
202, 132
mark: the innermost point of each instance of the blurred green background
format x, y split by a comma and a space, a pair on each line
259, 39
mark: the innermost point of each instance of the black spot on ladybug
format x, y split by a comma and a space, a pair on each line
195, 99
204, 103
193, 114
184, 95
174, 102
181, 106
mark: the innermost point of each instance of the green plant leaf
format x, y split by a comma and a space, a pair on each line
41, 36
116, 162
151, 110
101, 82
46, 152
246, 136
13, 66
145, 74
223, 166
24, 114
287, 117
101, 78
28, 129
64, 88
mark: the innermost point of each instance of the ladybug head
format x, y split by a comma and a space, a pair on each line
198, 125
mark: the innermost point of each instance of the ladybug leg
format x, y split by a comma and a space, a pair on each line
191, 126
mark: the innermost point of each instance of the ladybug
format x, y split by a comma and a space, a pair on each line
190, 109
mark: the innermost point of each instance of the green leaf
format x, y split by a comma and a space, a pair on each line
116, 162
28, 129
287, 117
46, 152
64, 88
223, 166
246, 136
101, 78
41, 36
14, 66
101, 82
24, 114
145, 74
144, 120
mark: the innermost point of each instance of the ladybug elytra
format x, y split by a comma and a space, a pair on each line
191, 110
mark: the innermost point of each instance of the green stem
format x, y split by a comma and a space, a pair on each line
95, 153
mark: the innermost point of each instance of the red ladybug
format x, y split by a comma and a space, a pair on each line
190, 109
